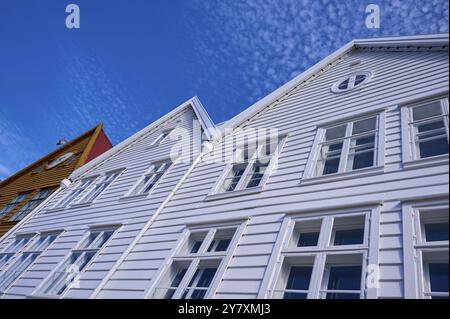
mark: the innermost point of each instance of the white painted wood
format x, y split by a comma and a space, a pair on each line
153, 226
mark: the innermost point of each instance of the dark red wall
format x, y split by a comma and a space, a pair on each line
101, 145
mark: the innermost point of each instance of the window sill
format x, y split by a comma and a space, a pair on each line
343, 176
54, 210
133, 197
81, 205
242, 192
38, 296
426, 162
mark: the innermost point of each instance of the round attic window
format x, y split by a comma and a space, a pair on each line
59, 160
351, 82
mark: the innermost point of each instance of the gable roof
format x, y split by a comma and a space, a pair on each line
433, 40
91, 134
194, 103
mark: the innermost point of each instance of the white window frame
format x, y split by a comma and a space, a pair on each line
82, 251
194, 260
107, 178
288, 253
249, 164
410, 151
151, 172
79, 188
32, 250
10, 252
415, 247
161, 138
379, 156
351, 78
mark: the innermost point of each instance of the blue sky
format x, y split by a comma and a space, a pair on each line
133, 61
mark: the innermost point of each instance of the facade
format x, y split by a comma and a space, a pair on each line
25, 190
333, 186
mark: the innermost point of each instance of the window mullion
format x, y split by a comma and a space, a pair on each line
186, 279
346, 148
317, 276
245, 174
207, 241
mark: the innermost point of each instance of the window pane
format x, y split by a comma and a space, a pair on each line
436, 232
438, 277
16, 270
196, 247
299, 278
308, 239
433, 147
427, 111
366, 125
335, 132
223, 245
331, 166
359, 79
349, 237
178, 278
344, 278
363, 160
219, 245
430, 126
342, 296
206, 277
257, 175
3, 260
236, 175
294, 295
198, 294
331, 157
344, 84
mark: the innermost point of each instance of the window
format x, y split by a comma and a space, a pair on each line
342, 277
149, 181
427, 124
351, 82
100, 185
196, 264
31, 204
330, 248
13, 204
25, 260
15, 247
69, 271
348, 147
74, 193
251, 167
161, 138
432, 248
87, 190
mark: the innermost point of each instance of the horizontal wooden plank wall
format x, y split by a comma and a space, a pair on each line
109, 208
28, 181
398, 75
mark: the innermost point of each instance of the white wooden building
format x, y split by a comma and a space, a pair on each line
346, 198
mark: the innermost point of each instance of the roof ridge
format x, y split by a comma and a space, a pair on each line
50, 155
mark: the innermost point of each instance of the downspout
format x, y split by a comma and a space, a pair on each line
149, 223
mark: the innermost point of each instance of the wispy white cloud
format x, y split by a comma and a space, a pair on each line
16, 150
270, 41
4, 172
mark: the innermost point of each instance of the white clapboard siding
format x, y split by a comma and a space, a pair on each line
397, 75
109, 208
400, 74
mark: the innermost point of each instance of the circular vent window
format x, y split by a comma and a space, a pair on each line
59, 160
351, 82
